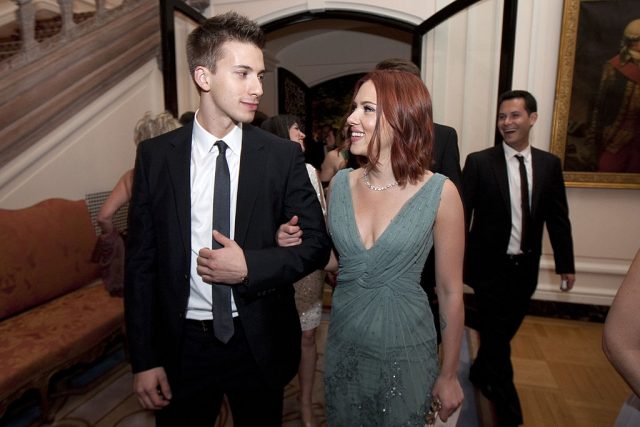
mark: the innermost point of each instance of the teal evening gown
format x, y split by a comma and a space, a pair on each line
381, 357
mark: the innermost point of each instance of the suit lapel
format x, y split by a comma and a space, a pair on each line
499, 167
251, 174
179, 163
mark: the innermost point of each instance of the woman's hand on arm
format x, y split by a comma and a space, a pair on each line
290, 234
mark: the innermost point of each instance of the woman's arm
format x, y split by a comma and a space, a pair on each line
449, 252
120, 195
331, 164
621, 336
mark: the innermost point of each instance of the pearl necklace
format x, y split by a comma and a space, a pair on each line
365, 178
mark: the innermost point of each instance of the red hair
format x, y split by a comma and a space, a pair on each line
404, 102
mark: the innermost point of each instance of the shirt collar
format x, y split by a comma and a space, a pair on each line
510, 152
204, 141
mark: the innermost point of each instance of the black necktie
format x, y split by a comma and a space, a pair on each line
524, 203
222, 318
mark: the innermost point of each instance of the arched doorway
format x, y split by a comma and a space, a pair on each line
316, 59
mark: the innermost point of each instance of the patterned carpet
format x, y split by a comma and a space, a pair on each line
100, 399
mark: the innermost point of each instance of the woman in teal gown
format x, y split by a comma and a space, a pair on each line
382, 366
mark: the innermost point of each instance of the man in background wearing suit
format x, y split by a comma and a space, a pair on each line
510, 191
201, 322
446, 160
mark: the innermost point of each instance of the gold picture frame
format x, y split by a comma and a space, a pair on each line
571, 118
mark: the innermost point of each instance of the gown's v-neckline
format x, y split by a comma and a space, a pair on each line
352, 211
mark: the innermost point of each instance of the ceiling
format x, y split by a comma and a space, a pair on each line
323, 49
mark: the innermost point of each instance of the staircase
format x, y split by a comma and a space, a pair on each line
44, 29
54, 67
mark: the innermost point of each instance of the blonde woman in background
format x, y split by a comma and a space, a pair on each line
147, 127
109, 249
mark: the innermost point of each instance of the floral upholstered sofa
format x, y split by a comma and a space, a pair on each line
54, 310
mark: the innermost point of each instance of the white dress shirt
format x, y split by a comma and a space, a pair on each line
203, 172
513, 171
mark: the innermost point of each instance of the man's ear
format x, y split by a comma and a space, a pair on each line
201, 77
532, 118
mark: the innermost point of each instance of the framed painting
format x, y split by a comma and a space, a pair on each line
596, 119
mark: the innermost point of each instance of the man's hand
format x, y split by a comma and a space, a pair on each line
225, 265
152, 388
289, 234
571, 280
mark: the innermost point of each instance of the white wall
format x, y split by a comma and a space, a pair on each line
461, 64
89, 152
413, 11
606, 223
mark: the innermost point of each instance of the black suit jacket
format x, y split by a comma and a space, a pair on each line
488, 211
273, 186
446, 156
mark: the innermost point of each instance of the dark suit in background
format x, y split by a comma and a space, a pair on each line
503, 287
314, 153
446, 155
503, 284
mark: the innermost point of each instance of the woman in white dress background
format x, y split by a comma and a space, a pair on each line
309, 289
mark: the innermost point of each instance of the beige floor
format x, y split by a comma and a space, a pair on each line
562, 375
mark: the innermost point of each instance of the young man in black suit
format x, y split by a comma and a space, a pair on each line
201, 322
510, 192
